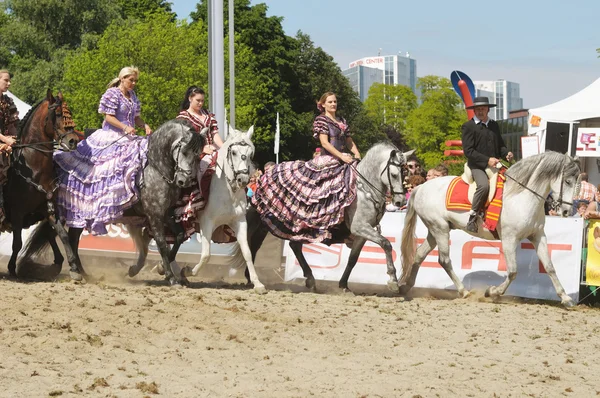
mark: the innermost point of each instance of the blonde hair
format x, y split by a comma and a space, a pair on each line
2, 71
125, 72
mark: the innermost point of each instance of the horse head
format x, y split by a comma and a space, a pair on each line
565, 186
235, 157
185, 152
59, 126
396, 170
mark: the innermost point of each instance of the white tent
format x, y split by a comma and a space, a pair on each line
571, 125
21, 106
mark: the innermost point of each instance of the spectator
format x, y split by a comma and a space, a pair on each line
413, 165
587, 191
581, 208
269, 166
412, 182
438, 171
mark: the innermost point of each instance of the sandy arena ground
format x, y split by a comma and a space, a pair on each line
134, 338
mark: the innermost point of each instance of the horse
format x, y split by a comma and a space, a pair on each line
31, 178
227, 205
528, 183
381, 170
173, 151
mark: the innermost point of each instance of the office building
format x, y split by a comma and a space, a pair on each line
388, 69
506, 95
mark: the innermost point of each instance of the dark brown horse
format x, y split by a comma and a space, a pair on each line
31, 179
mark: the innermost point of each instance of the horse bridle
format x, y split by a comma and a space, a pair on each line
556, 203
40, 147
56, 143
391, 161
178, 169
229, 160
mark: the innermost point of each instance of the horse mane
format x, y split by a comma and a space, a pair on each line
195, 144
26, 121
537, 171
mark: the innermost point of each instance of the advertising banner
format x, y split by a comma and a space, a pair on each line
478, 263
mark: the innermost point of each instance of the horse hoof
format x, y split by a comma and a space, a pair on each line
187, 271
393, 286
465, 294
568, 303
403, 289
260, 290
488, 292
133, 271
160, 270
12, 272
347, 292
76, 276
311, 285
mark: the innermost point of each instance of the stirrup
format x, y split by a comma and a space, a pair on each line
472, 224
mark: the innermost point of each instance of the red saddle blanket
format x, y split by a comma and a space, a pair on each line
457, 199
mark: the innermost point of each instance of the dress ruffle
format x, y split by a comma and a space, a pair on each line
98, 181
301, 201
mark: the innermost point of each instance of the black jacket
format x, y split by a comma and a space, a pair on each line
480, 143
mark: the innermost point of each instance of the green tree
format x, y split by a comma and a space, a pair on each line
436, 120
140, 9
165, 71
390, 104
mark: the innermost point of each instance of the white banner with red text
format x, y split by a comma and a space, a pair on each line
478, 263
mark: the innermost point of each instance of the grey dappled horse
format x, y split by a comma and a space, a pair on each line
528, 183
381, 170
173, 151
227, 204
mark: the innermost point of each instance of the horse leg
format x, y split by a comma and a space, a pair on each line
357, 246
369, 232
206, 230
17, 245
422, 251
310, 279
141, 241
71, 243
257, 232
163, 248
241, 232
444, 260
541, 244
58, 257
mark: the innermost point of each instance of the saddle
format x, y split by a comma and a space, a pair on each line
467, 177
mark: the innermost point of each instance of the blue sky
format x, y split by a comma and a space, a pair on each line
547, 46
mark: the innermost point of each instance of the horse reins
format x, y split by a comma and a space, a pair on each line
556, 203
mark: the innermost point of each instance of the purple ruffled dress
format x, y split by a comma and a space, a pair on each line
98, 180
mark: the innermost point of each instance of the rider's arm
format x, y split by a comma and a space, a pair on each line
139, 122
113, 121
324, 140
352, 147
217, 141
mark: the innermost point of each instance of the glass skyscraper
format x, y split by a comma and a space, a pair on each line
506, 95
388, 69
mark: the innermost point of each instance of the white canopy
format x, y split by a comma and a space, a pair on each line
582, 105
21, 106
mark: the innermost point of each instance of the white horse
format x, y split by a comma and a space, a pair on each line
227, 202
528, 184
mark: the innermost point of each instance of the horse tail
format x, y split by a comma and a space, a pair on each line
409, 247
38, 241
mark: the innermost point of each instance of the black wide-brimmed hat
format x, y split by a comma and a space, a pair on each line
481, 101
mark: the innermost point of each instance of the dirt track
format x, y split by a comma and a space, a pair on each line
138, 338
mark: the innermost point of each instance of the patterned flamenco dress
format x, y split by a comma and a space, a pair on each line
98, 180
305, 200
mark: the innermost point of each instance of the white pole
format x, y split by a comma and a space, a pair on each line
231, 66
276, 146
216, 69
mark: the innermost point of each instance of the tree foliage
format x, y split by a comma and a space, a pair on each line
165, 71
436, 120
